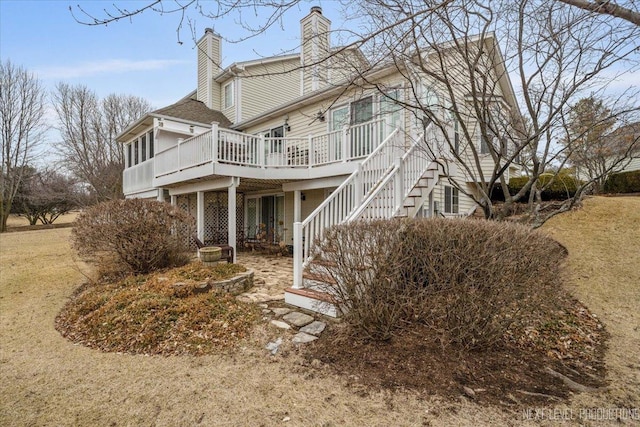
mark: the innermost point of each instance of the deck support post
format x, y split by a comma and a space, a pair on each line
297, 255
232, 217
200, 215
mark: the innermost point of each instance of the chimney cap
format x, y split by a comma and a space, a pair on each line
208, 30
316, 9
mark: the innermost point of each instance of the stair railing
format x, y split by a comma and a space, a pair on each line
341, 203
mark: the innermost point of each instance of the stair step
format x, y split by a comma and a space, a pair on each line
319, 278
320, 302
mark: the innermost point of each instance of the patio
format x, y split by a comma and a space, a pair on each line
273, 274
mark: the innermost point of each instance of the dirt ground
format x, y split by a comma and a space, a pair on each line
47, 380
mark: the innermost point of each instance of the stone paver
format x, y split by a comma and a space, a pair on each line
281, 311
272, 275
280, 324
302, 338
314, 328
297, 319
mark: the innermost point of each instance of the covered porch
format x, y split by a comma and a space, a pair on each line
250, 213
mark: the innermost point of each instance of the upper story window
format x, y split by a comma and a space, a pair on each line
362, 110
129, 159
228, 95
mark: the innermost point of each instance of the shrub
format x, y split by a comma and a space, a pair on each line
468, 281
137, 235
563, 187
624, 182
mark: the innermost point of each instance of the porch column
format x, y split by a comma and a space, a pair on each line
232, 218
174, 200
297, 205
200, 215
160, 195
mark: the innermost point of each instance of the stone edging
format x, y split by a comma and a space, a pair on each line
235, 285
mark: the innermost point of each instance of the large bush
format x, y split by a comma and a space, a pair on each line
133, 234
469, 281
624, 182
563, 187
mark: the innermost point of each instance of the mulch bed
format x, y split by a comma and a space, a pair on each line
515, 372
168, 313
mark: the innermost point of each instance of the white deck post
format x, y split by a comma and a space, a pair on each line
311, 148
358, 193
297, 255
261, 152
346, 147
297, 205
160, 195
398, 184
200, 215
214, 142
232, 219
174, 200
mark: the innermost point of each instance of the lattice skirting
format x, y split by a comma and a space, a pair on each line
216, 215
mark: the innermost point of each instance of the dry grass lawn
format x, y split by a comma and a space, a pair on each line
47, 380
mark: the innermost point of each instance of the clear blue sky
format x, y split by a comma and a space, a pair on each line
140, 56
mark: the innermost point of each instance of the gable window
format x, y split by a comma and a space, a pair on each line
228, 95
451, 197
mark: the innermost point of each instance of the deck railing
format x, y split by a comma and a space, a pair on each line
232, 147
138, 177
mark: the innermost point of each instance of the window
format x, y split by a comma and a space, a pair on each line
151, 148
129, 158
228, 95
456, 133
339, 118
143, 144
484, 145
136, 144
429, 102
451, 197
390, 109
362, 110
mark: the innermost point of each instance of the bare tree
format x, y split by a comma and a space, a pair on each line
22, 126
597, 150
45, 195
555, 54
628, 12
88, 128
466, 49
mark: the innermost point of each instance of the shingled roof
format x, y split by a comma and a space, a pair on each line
194, 111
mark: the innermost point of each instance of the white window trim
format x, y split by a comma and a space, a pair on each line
231, 92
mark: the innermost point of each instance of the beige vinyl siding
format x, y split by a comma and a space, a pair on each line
307, 58
202, 72
323, 52
313, 199
633, 165
264, 87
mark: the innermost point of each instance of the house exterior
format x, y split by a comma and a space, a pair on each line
280, 148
